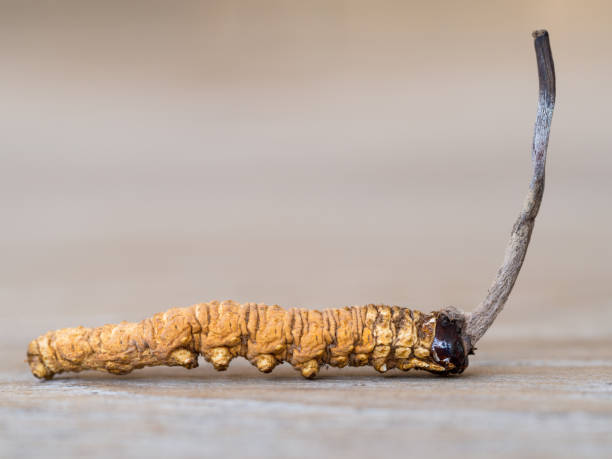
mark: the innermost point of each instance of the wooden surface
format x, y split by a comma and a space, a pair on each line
517, 400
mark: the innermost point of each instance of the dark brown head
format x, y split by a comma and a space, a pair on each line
448, 348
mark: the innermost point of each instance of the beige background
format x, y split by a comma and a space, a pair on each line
309, 154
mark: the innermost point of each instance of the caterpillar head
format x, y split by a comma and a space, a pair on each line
449, 348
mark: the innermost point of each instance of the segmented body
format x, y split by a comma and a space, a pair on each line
382, 336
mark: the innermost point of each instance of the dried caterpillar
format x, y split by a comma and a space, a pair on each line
385, 337
382, 336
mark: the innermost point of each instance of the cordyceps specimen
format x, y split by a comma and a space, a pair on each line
385, 337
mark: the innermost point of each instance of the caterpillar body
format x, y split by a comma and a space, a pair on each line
384, 337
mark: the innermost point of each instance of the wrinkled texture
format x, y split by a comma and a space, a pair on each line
382, 336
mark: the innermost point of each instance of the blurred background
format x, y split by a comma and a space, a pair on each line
300, 153
315, 154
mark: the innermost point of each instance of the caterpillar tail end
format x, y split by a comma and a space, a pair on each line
37, 365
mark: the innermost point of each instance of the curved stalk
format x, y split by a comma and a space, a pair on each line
480, 320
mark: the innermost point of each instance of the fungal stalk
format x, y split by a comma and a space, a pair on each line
384, 337
482, 318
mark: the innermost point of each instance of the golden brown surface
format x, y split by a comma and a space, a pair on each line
382, 336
